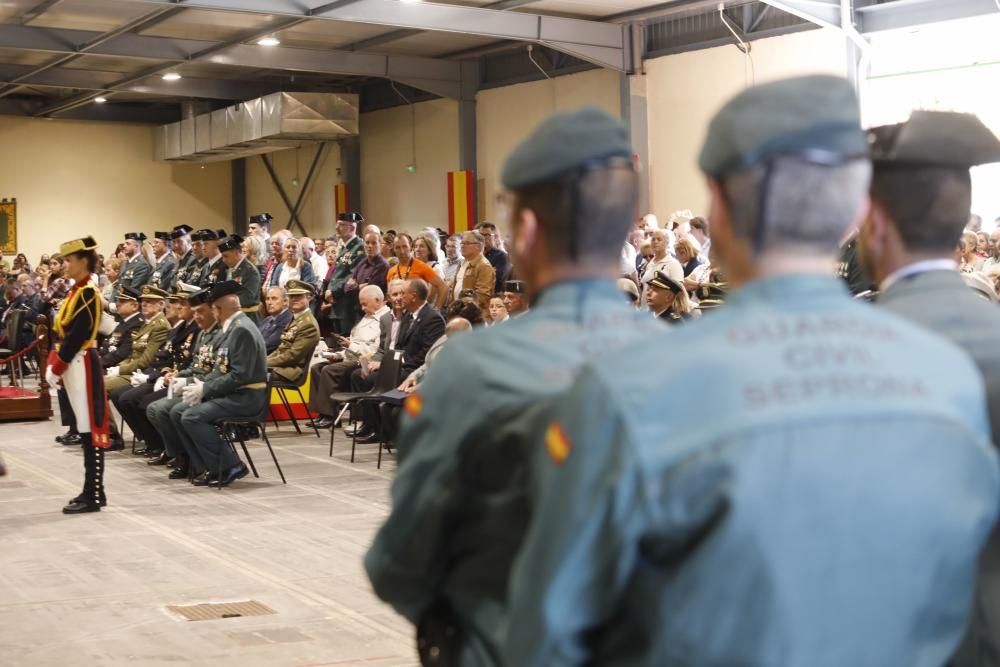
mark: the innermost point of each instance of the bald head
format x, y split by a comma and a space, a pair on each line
457, 325
226, 306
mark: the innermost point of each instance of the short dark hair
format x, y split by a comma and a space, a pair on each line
585, 218
700, 223
928, 205
420, 288
470, 311
486, 225
90, 256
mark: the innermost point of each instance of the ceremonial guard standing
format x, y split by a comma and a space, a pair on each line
74, 363
346, 308
244, 273
166, 263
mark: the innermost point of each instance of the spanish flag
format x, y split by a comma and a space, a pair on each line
557, 443
340, 202
461, 202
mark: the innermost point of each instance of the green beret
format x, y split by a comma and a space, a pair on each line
565, 142
815, 118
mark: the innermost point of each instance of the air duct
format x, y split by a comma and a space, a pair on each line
263, 125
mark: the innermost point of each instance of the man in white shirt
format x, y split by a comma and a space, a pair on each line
364, 341
316, 259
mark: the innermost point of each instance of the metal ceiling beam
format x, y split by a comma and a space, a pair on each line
825, 13
667, 9
912, 13
601, 43
38, 10
122, 113
396, 35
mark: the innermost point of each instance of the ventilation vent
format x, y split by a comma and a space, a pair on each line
213, 611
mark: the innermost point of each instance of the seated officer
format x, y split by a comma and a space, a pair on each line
236, 387
214, 269
443, 556
290, 361
278, 317
201, 364
831, 513
243, 272
146, 342
117, 347
150, 386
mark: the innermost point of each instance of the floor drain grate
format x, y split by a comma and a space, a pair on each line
210, 611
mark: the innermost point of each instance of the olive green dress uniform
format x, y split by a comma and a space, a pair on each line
828, 513
939, 299
247, 275
345, 311
236, 387
459, 498
146, 342
291, 360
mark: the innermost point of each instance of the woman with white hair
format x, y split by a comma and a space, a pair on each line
662, 261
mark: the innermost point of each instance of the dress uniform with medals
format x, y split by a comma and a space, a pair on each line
136, 271
928, 158
290, 361
166, 266
831, 511
345, 311
247, 275
146, 341
161, 412
175, 354
214, 269
75, 364
117, 347
185, 263
236, 387
459, 498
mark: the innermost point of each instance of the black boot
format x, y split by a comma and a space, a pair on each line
70, 434
93, 482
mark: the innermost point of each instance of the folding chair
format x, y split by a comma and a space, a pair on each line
386, 380
15, 320
282, 385
227, 427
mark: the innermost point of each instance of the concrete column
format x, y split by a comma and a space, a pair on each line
350, 165
636, 117
239, 190
467, 155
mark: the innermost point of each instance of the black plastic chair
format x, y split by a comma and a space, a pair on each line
282, 385
229, 427
386, 380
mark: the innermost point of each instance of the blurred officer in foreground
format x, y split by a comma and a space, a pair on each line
831, 512
443, 556
921, 201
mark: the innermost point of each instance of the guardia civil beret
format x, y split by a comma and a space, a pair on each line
225, 288
515, 287
163, 236
221, 234
179, 231
199, 297
205, 235
261, 218
565, 142
293, 287
231, 243
815, 118
153, 292
128, 294
934, 138
135, 236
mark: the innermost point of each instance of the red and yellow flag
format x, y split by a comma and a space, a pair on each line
340, 202
461, 208
557, 443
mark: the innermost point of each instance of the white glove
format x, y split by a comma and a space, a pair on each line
112, 372
107, 325
50, 377
160, 382
138, 378
193, 392
176, 386
113, 307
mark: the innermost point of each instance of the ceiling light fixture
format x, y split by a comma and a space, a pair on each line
171, 76
268, 41
100, 100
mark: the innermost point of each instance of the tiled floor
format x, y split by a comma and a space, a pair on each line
93, 589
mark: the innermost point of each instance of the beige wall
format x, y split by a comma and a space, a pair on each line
317, 211
505, 116
684, 92
74, 178
391, 197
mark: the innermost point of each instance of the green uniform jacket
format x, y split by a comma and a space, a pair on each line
146, 343
186, 270
291, 360
163, 273
212, 273
344, 303
203, 359
240, 360
134, 273
247, 275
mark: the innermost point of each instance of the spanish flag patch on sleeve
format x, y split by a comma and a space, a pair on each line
557, 443
413, 405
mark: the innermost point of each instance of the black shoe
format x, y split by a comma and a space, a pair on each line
153, 453
366, 438
72, 440
358, 428
146, 452
204, 479
231, 475
178, 473
325, 422
81, 508
161, 460
61, 439
79, 499
117, 444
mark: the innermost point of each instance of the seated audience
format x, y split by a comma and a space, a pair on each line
290, 361
278, 317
